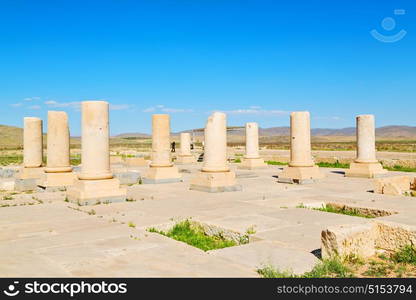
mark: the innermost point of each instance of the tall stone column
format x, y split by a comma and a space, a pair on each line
32, 154
161, 169
185, 156
366, 164
58, 171
215, 175
252, 159
95, 183
301, 168
215, 155
32, 143
95, 137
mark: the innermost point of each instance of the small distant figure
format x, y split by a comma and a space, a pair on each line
192, 146
173, 147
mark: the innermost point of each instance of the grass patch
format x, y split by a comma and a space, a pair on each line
344, 211
401, 263
406, 255
237, 160
11, 160
333, 165
276, 163
327, 268
192, 234
400, 168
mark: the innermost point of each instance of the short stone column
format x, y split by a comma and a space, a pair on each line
95, 183
185, 156
58, 171
215, 175
301, 168
161, 169
366, 164
252, 159
32, 168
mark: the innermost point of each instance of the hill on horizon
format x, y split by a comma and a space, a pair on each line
11, 136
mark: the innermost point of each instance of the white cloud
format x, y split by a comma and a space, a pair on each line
28, 99
55, 104
16, 104
120, 106
34, 107
257, 110
162, 108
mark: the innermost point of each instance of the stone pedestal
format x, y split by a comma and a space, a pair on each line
252, 159
301, 168
185, 156
366, 164
58, 171
95, 183
215, 175
32, 149
161, 169
90, 192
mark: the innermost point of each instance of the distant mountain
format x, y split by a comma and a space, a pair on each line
132, 135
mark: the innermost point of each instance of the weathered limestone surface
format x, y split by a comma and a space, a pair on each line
185, 156
161, 169
343, 240
396, 185
58, 171
95, 182
215, 175
301, 168
366, 239
366, 164
252, 159
32, 149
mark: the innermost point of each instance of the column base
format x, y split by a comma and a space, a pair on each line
30, 173
90, 192
25, 185
185, 160
300, 175
136, 162
252, 163
156, 175
215, 182
365, 170
57, 179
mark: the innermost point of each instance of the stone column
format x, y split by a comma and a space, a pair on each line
215, 155
185, 156
300, 140
252, 140
215, 175
32, 143
32, 170
366, 139
58, 159
95, 183
161, 155
185, 143
301, 168
252, 159
95, 150
58, 168
366, 164
161, 168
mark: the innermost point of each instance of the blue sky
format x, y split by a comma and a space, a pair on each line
257, 60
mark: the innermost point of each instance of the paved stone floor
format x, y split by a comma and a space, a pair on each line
45, 236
